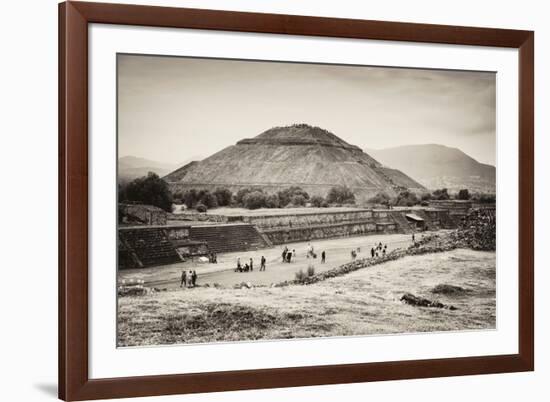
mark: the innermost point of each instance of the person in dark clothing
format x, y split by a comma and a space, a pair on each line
413, 237
372, 252
284, 255
262, 264
194, 278
251, 265
183, 276
288, 257
239, 266
323, 255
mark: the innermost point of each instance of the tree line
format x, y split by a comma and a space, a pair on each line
153, 190
408, 198
255, 198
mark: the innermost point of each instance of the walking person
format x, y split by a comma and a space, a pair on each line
182, 278
284, 255
323, 256
194, 278
251, 265
262, 263
372, 252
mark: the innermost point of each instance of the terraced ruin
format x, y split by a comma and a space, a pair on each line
298, 155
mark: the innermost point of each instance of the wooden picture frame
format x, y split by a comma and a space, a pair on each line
74, 381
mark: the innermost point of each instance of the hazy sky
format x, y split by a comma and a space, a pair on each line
173, 109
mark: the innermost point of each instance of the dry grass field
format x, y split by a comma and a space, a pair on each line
364, 302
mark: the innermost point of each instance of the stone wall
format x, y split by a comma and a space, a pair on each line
141, 214
306, 233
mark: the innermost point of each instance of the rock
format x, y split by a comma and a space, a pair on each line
448, 289
413, 300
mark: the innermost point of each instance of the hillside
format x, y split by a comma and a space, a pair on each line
438, 166
297, 155
132, 167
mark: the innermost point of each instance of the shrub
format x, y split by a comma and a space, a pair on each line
324, 204
286, 195
272, 201
310, 270
208, 199
150, 190
241, 194
254, 200
298, 200
380, 198
200, 207
340, 195
426, 197
441, 194
300, 275
463, 194
223, 196
406, 198
317, 201
486, 198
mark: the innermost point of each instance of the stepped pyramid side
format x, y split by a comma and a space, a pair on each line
298, 155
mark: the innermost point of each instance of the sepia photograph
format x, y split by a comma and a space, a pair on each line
269, 200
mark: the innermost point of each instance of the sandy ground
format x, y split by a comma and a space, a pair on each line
361, 303
338, 251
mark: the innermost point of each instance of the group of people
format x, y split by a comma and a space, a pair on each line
378, 250
213, 258
249, 266
288, 255
188, 278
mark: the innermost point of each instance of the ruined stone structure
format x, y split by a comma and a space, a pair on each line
141, 214
298, 155
142, 246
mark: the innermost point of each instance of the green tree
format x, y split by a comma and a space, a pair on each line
380, 198
463, 194
223, 196
208, 199
272, 201
406, 198
317, 201
239, 197
150, 190
285, 195
254, 200
340, 195
441, 194
298, 200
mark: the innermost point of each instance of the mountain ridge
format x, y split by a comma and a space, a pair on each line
437, 166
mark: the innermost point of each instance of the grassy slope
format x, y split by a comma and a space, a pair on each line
361, 303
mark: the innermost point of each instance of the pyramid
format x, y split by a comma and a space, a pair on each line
297, 155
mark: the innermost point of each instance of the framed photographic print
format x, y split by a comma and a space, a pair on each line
259, 200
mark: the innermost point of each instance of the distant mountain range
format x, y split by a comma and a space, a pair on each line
132, 167
437, 166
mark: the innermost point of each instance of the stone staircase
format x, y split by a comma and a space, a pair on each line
401, 222
150, 245
228, 238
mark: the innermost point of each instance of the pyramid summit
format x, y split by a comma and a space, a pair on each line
296, 155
